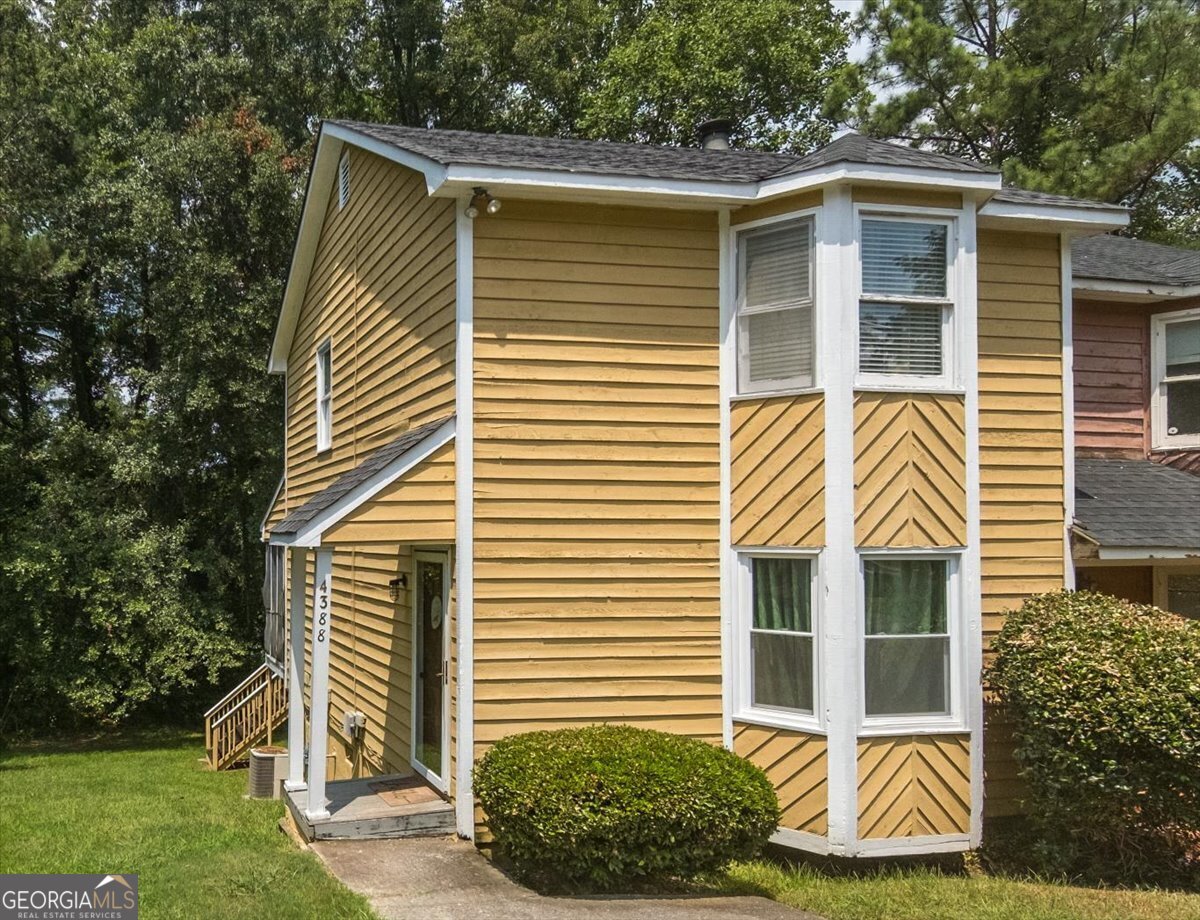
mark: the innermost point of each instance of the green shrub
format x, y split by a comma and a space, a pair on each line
607, 806
1105, 701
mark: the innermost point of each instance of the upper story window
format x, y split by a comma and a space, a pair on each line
344, 180
1176, 409
325, 396
775, 307
905, 305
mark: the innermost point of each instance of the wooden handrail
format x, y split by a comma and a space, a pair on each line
245, 716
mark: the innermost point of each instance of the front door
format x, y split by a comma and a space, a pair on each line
431, 631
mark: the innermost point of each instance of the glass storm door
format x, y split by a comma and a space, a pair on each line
431, 631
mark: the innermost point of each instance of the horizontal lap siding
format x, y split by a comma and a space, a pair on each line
1021, 445
382, 289
1112, 378
596, 470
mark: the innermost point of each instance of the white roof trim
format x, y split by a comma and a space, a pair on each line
310, 536
1133, 291
1118, 553
1036, 215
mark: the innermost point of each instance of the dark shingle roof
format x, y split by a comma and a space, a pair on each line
857, 148
512, 151
1025, 196
1137, 503
1118, 258
347, 482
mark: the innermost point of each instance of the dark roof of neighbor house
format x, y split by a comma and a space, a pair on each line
1026, 196
1118, 258
1137, 503
514, 151
350, 480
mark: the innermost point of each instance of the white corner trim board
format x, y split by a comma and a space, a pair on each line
464, 512
727, 272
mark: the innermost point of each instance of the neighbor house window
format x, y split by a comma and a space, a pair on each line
904, 310
907, 650
779, 644
344, 180
324, 396
775, 307
1183, 594
1176, 416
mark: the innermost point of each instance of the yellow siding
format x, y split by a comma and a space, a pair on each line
597, 469
798, 767
1021, 444
417, 507
919, 198
914, 786
909, 470
382, 290
798, 202
778, 471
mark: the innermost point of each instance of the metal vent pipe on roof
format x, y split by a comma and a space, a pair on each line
714, 134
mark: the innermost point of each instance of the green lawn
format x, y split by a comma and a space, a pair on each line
925, 894
144, 803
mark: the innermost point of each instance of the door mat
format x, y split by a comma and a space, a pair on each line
408, 790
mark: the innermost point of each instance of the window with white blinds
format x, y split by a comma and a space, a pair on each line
775, 307
905, 304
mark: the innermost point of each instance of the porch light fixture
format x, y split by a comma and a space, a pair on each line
397, 587
482, 199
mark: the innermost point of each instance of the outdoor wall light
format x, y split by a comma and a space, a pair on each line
482, 199
397, 587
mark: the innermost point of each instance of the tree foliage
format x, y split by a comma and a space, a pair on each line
152, 160
1095, 98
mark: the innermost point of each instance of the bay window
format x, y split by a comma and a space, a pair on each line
775, 307
907, 651
905, 303
1176, 412
778, 637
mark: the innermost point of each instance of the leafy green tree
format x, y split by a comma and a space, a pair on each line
1097, 98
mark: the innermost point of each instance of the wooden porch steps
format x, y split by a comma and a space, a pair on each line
246, 716
373, 807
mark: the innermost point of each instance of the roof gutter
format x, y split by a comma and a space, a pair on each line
1133, 291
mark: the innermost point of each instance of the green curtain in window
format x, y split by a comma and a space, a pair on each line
782, 594
905, 596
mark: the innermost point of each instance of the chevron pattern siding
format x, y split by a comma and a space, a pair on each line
797, 766
914, 786
778, 471
909, 470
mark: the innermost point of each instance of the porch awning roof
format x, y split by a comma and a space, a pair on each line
1137, 509
304, 525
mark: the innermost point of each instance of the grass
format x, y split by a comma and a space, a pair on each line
925, 893
143, 803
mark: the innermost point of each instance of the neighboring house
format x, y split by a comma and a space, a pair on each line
748, 446
1137, 420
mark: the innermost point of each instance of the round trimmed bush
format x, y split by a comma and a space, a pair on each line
607, 806
1104, 696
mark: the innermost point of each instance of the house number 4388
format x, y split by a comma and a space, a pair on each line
323, 612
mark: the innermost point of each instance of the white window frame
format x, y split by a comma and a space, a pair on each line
1159, 439
343, 179
956, 719
951, 304
744, 709
324, 401
783, 384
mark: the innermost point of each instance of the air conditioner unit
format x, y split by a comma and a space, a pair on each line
268, 770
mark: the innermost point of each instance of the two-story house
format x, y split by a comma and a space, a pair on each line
753, 447
1137, 421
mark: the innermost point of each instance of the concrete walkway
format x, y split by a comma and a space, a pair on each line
444, 878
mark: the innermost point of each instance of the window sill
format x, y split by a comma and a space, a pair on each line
875, 729
1175, 448
872, 386
770, 394
797, 723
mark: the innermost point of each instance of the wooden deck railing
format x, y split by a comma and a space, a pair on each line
246, 716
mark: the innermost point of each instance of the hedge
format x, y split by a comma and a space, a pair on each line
609, 806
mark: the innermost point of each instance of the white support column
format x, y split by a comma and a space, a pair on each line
1068, 377
836, 269
322, 628
295, 673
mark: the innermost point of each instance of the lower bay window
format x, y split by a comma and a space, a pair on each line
909, 630
777, 651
